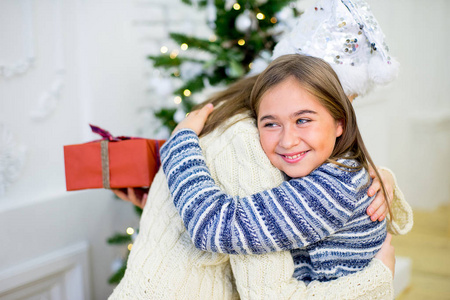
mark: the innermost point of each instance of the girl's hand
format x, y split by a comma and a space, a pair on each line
196, 119
387, 254
378, 209
137, 196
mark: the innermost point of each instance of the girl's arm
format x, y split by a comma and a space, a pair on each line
293, 215
240, 167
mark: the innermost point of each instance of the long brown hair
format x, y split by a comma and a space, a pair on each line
230, 102
319, 79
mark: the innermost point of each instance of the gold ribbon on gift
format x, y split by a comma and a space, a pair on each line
105, 164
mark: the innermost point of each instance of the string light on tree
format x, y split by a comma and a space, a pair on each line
212, 38
164, 49
177, 99
174, 54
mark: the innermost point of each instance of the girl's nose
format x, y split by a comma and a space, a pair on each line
289, 138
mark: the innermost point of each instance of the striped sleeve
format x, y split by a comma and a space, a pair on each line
295, 214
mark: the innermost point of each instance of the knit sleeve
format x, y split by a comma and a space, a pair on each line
293, 215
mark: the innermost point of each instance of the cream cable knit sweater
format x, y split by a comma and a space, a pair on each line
164, 264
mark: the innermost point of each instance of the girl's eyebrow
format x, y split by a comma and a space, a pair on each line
266, 117
303, 112
295, 114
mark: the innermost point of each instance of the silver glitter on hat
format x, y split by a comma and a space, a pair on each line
346, 35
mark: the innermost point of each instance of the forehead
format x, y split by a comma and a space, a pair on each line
286, 97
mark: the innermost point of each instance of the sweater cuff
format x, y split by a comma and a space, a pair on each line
403, 215
175, 139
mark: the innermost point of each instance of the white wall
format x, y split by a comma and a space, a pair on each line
407, 124
89, 67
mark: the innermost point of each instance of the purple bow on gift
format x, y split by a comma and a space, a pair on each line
108, 136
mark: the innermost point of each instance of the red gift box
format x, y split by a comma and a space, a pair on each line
114, 162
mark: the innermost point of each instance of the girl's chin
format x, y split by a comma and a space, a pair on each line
297, 173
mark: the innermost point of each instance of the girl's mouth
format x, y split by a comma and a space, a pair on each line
292, 158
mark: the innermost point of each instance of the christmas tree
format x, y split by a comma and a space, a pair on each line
244, 33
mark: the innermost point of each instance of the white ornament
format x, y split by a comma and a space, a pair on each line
162, 86
179, 115
189, 70
229, 4
12, 158
211, 13
261, 62
246, 22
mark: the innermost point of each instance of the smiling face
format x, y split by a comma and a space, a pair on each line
297, 132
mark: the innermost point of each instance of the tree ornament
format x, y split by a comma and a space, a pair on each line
162, 86
190, 70
246, 22
229, 4
180, 114
211, 13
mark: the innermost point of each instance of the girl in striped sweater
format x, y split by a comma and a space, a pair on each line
308, 130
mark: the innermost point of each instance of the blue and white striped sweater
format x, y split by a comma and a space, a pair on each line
321, 218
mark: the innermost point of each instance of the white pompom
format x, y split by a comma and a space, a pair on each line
382, 72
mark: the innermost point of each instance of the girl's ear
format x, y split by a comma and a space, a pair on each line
339, 128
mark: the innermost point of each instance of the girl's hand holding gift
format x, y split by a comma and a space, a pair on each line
137, 196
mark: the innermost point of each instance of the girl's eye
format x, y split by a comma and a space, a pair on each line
303, 121
269, 125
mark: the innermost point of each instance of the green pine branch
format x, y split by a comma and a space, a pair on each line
165, 115
118, 275
119, 238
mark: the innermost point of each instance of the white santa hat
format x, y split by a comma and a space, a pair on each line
346, 35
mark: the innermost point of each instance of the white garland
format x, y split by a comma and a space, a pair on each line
12, 159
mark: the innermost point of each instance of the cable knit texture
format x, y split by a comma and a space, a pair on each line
164, 264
